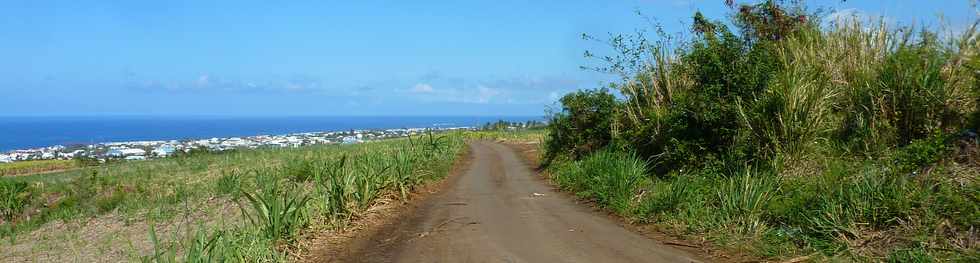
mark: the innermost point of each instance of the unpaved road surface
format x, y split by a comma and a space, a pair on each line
497, 211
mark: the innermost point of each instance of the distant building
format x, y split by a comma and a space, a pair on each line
350, 140
125, 152
164, 151
70, 155
135, 158
5, 159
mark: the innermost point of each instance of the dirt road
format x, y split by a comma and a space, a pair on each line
496, 211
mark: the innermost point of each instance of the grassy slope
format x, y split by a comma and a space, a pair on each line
108, 211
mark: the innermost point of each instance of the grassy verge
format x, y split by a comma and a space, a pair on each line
848, 209
245, 205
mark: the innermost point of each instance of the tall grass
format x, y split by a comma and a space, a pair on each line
611, 178
278, 211
743, 200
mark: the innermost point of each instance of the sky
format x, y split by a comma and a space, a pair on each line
301, 58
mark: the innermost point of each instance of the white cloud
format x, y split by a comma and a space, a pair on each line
422, 88
208, 83
485, 94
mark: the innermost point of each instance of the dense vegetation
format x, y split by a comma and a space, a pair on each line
249, 205
785, 137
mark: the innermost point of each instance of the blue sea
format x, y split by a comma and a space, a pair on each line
33, 132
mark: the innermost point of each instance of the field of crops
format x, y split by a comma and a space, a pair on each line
29, 167
250, 204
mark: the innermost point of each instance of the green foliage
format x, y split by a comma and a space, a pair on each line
704, 121
743, 199
920, 153
203, 248
111, 199
610, 178
584, 124
206, 244
770, 20
14, 196
230, 184
789, 138
278, 212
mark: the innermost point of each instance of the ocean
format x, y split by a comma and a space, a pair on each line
33, 132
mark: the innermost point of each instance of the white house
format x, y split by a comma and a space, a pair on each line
5, 159
124, 152
350, 140
135, 158
164, 150
70, 155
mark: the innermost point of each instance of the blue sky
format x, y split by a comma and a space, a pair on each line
251, 58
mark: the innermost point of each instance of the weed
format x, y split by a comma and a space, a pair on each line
279, 213
230, 184
14, 196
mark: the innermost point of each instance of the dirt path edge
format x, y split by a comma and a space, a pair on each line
337, 245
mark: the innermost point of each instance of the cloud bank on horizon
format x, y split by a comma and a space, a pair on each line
334, 58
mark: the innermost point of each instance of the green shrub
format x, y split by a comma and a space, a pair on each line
704, 121
584, 124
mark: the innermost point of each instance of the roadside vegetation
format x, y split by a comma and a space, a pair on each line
245, 205
784, 138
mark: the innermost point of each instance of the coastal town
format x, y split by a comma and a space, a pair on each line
142, 150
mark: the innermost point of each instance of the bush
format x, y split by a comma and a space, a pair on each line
584, 124
704, 121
